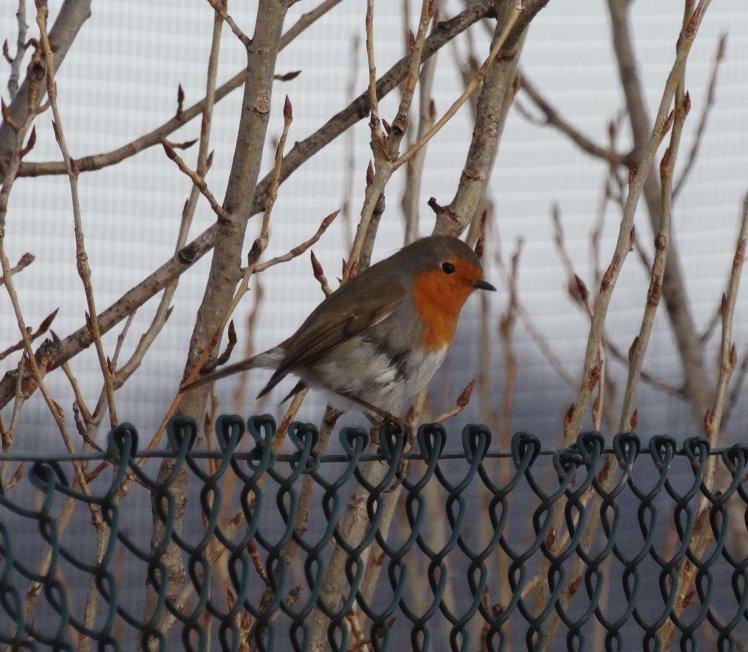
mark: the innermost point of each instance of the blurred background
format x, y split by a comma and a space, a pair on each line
120, 80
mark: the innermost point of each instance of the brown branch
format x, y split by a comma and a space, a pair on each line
384, 147
661, 242
219, 6
81, 256
94, 162
23, 262
21, 45
711, 96
32, 335
300, 248
625, 234
70, 19
496, 47
490, 110
197, 180
674, 292
414, 169
713, 426
460, 404
553, 118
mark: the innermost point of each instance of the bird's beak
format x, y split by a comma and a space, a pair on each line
483, 285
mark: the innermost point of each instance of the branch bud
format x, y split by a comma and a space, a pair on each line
464, 398
687, 103
287, 109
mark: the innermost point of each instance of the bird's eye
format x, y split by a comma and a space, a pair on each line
448, 268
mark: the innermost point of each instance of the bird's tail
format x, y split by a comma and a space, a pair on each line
267, 360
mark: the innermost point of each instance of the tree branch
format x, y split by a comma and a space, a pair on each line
68, 23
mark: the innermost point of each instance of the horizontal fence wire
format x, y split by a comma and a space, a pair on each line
376, 547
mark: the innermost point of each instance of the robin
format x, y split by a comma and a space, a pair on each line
379, 338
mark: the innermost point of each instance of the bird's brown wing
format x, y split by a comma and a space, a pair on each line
359, 304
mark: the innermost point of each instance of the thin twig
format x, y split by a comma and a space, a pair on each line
460, 404
471, 88
81, 257
711, 96
300, 248
713, 427
21, 47
626, 232
198, 181
661, 241
23, 262
553, 118
94, 162
220, 8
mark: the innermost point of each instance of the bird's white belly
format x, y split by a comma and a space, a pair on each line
388, 380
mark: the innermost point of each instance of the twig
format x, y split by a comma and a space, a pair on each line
426, 115
553, 118
624, 241
21, 46
384, 148
41, 329
23, 262
94, 162
198, 181
697, 385
460, 404
81, 257
350, 135
471, 88
300, 248
243, 380
712, 425
641, 341
220, 8
711, 96
506, 328
737, 391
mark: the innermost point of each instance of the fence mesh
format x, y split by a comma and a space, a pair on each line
376, 546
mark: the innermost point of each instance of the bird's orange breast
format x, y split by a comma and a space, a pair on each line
438, 300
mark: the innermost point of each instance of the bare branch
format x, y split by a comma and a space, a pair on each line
17, 59
552, 118
219, 7
81, 257
94, 162
23, 262
625, 239
198, 181
70, 19
711, 96
641, 341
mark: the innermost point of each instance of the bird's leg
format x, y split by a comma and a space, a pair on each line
382, 413
408, 444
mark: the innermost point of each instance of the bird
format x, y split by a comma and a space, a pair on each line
376, 341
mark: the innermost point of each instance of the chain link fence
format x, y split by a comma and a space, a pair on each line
435, 548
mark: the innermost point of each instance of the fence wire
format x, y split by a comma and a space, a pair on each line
579, 548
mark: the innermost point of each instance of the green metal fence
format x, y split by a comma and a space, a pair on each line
462, 546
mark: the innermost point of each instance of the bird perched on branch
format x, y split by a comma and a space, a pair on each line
379, 338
